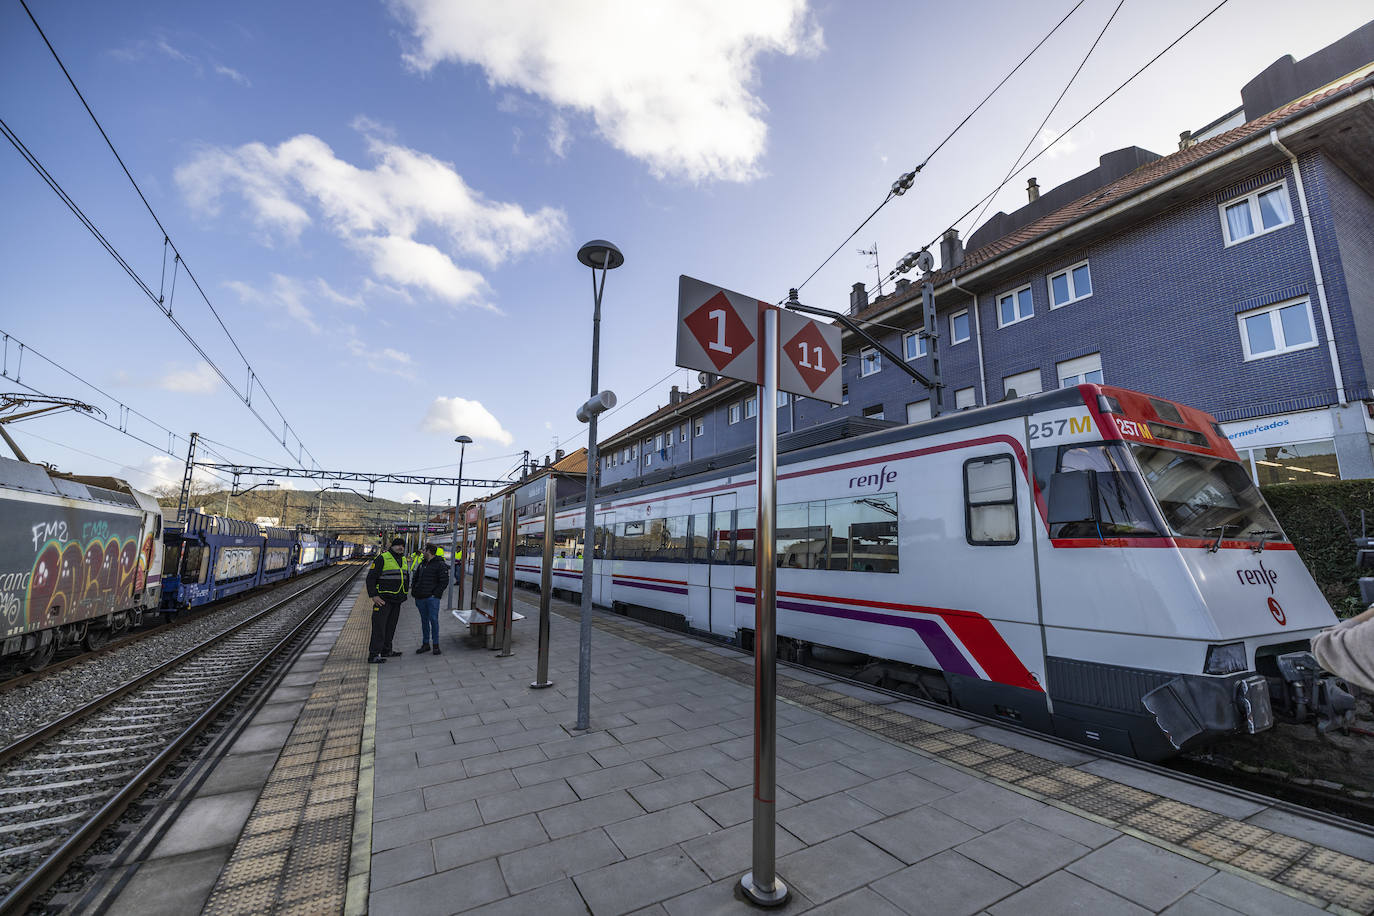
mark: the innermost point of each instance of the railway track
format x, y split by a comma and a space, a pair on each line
62, 784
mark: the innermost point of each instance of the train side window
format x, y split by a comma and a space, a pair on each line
744, 537
860, 533
701, 538
990, 501
722, 536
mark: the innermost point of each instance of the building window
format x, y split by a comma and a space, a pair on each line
648, 454
1080, 371
1015, 306
1304, 462
1023, 383
699, 426
964, 398
1070, 285
1255, 214
751, 406
873, 412
917, 411
913, 345
634, 450
734, 413
625, 458
782, 398
870, 362
844, 394
682, 433
1277, 329
958, 327
658, 442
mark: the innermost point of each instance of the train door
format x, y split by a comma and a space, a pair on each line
710, 575
601, 569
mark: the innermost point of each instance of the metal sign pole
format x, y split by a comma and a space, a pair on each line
761, 885
479, 557
504, 616
541, 675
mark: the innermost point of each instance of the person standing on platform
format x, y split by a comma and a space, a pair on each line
431, 578
388, 581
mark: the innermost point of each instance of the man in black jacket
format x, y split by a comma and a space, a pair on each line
431, 578
388, 580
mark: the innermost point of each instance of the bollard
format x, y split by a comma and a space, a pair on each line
541, 669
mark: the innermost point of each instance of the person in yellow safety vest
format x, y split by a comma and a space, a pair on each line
388, 582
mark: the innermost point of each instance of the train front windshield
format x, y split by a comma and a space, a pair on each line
1201, 496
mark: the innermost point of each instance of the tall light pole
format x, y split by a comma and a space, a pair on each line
598, 255
463, 443
319, 507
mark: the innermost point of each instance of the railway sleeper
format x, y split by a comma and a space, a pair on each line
53, 803
33, 826
50, 787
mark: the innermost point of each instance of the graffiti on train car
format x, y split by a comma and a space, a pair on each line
69, 577
235, 563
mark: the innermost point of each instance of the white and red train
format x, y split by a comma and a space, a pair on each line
1092, 562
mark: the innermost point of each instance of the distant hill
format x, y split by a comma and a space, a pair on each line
338, 510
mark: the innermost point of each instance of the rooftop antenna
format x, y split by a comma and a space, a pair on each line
873, 253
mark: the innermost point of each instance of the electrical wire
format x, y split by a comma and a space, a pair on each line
893, 193
246, 396
1062, 134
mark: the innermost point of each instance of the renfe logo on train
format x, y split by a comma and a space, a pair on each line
877, 481
1259, 576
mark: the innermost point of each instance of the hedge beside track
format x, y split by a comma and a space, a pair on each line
1310, 514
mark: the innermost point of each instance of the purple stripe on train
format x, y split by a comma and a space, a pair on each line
947, 655
672, 589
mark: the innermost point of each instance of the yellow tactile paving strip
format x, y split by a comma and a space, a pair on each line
1318, 875
293, 854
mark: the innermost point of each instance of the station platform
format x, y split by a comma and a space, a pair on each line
444, 784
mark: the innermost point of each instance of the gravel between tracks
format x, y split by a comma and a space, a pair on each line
32, 706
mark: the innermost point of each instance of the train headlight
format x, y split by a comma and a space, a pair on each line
1225, 659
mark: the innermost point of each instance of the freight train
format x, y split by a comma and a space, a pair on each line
85, 558
1091, 562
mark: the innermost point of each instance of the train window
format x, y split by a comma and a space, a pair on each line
990, 501
1123, 505
745, 520
801, 535
567, 543
194, 562
860, 534
701, 540
722, 536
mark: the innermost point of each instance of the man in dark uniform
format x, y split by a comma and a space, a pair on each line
388, 581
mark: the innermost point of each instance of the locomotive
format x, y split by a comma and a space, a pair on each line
1091, 562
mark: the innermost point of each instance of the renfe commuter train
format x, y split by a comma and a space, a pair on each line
1091, 562
84, 558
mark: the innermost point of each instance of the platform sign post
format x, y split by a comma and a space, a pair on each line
505, 608
479, 556
737, 336
541, 668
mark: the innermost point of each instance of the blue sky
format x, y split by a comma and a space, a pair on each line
384, 200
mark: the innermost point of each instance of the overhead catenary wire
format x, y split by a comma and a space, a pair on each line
1064, 133
906, 178
178, 261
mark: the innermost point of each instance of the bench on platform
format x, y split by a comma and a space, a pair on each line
477, 618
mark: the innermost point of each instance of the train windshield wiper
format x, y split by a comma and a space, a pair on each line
1221, 533
1260, 537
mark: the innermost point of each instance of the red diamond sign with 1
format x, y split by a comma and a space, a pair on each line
717, 330
810, 364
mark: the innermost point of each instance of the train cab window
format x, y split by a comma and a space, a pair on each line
1123, 505
195, 562
990, 501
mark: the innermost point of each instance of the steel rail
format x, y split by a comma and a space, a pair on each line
51, 868
27, 742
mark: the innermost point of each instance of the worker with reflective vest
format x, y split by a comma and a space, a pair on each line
388, 583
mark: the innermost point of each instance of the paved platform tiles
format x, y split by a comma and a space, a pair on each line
486, 800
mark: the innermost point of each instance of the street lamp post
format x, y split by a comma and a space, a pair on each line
319, 507
458, 559
598, 255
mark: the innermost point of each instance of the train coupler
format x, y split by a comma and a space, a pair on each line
1304, 690
1192, 708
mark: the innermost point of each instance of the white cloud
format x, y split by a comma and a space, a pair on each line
1057, 144
199, 379
163, 471
411, 496
233, 75
463, 417
378, 211
559, 136
338, 298
386, 360
287, 293
671, 84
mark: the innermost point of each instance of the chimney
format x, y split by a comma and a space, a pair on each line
547, 461
1033, 190
951, 249
902, 285
557, 455
858, 299
674, 395
1185, 139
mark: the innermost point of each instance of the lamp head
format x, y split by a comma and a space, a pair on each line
595, 405
463, 440
600, 253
